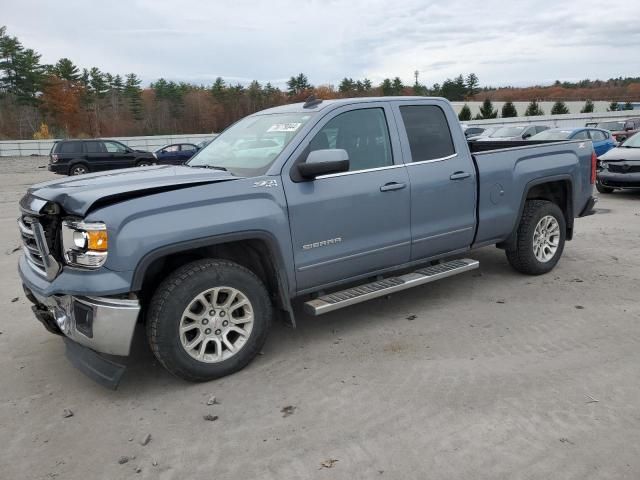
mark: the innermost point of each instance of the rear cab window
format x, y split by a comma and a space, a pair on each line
428, 132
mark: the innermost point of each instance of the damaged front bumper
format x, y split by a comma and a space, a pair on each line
94, 327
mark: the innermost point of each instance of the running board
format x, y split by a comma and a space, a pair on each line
362, 293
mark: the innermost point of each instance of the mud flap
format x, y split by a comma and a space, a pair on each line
104, 371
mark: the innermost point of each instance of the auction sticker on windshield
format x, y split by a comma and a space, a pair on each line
284, 127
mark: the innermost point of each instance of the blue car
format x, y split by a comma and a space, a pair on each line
602, 139
175, 154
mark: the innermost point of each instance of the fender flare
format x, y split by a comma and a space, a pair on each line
540, 181
283, 293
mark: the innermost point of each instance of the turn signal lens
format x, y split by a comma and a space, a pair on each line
97, 240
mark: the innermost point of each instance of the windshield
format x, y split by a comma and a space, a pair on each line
632, 142
611, 126
507, 132
552, 135
249, 147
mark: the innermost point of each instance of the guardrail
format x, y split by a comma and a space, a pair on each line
563, 121
25, 148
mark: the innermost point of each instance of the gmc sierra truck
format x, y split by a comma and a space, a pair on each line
337, 201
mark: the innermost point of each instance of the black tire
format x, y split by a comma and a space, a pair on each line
603, 189
521, 254
174, 295
78, 169
144, 163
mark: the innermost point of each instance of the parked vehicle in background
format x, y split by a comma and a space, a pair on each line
631, 126
612, 125
204, 143
485, 133
76, 157
619, 168
473, 131
514, 132
601, 139
298, 201
175, 154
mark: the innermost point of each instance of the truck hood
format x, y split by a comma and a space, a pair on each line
78, 194
621, 154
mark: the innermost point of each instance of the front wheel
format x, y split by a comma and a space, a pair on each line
208, 319
541, 237
143, 163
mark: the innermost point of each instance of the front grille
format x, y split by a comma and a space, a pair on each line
29, 245
40, 237
624, 168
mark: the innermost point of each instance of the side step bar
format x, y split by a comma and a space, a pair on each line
362, 293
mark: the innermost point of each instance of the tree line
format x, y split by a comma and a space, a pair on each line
40, 100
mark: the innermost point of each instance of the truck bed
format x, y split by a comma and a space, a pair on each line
506, 170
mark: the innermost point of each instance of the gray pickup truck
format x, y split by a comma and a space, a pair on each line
335, 201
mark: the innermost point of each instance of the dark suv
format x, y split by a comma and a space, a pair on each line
75, 157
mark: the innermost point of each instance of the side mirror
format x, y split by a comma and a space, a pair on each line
323, 162
528, 135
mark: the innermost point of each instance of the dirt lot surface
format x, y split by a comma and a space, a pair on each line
489, 375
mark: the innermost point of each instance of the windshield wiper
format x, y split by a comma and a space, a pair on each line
212, 167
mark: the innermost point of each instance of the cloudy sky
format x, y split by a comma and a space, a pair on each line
503, 42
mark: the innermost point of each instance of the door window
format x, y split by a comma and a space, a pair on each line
582, 135
597, 136
428, 132
70, 147
171, 148
115, 147
362, 133
94, 147
188, 148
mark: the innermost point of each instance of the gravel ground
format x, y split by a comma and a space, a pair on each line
498, 376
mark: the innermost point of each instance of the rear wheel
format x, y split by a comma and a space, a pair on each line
208, 319
602, 189
541, 237
78, 169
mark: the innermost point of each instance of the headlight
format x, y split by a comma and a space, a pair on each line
84, 244
603, 165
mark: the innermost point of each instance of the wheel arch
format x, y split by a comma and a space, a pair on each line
557, 189
255, 250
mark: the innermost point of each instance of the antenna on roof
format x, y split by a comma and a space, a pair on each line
311, 101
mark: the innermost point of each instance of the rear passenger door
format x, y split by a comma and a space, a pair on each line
97, 155
443, 180
600, 142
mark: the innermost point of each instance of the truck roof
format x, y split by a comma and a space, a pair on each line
299, 107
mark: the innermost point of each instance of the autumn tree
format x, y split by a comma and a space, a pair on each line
508, 110
465, 113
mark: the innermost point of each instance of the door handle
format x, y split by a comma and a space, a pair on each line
459, 175
387, 187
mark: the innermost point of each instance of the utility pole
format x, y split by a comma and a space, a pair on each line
415, 74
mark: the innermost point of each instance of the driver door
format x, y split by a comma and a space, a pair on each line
353, 223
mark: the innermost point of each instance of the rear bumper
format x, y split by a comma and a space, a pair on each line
58, 168
619, 180
105, 325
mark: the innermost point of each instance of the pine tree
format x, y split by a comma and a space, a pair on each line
66, 70
465, 113
509, 110
614, 107
472, 83
397, 86
347, 86
533, 109
588, 107
387, 87
298, 85
133, 93
559, 108
487, 111
628, 106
